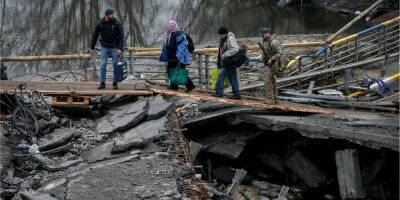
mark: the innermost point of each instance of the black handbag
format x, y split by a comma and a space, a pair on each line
235, 60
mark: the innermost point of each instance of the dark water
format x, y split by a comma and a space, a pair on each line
35, 27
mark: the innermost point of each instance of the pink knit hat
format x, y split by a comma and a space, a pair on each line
172, 26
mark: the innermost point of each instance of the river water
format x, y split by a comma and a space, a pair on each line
38, 27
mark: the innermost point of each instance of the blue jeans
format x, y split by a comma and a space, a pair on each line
233, 79
106, 53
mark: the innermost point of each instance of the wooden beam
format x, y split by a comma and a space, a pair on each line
54, 88
290, 107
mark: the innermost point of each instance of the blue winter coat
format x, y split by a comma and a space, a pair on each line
181, 53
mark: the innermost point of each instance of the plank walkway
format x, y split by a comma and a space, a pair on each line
77, 88
139, 88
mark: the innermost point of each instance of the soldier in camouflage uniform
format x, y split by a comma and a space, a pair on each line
272, 52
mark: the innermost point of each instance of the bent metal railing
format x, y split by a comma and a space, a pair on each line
375, 41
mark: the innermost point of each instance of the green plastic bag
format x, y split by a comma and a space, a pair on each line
214, 79
178, 76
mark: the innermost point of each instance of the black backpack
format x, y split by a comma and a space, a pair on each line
191, 46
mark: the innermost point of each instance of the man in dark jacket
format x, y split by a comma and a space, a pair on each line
112, 43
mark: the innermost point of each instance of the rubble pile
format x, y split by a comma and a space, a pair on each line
125, 154
293, 156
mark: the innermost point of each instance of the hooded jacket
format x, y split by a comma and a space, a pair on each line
229, 46
111, 32
176, 50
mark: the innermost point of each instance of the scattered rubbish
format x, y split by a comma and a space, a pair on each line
23, 147
33, 149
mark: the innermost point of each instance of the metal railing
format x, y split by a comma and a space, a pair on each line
372, 42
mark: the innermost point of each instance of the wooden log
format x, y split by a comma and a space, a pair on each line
349, 174
355, 20
305, 169
291, 107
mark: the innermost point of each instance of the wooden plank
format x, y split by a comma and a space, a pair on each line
291, 107
77, 88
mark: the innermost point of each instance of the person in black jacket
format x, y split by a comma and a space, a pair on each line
112, 43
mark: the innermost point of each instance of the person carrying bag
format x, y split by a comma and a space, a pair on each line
176, 53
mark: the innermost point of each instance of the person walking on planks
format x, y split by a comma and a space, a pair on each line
228, 49
112, 43
272, 51
176, 53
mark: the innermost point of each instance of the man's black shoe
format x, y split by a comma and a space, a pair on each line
115, 86
102, 86
216, 95
236, 97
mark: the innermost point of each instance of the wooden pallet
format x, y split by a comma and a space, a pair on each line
70, 101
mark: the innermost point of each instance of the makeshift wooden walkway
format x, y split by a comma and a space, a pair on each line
77, 88
139, 88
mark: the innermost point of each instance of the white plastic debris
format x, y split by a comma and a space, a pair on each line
34, 149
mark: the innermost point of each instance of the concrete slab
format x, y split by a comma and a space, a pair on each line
122, 118
58, 138
158, 107
372, 130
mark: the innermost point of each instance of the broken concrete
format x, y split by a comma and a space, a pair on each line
224, 174
195, 149
52, 166
33, 195
5, 152
58, 138
274, 162
152, 178
137, 136
228, 144
369, 129
99, 153
123, 117
305, 169
158, 107
123, 145
58, 150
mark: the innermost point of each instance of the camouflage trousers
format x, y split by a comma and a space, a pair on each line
271, 91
